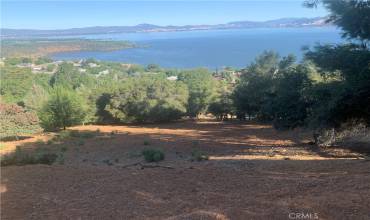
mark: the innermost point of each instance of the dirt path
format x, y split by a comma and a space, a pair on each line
254, 172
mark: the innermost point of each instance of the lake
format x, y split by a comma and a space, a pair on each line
210, 48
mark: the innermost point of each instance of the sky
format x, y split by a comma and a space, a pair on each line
58, 14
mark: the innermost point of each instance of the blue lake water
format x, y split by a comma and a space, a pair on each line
211, 49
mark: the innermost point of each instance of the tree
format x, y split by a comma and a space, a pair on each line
201, 86
222, 105
256, 86
147, 99
67, 76
15, 83
289, 107
350, 93
36, 98
63, 108
351, 15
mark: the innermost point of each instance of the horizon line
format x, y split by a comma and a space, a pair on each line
168, 25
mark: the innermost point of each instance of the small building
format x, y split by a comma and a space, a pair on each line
172, 78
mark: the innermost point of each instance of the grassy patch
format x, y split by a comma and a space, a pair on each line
38, 156
153, 155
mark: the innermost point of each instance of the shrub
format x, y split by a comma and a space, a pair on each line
63, 108
148, 99
146, 142
153, 155
15, 121
198, 155
21, 157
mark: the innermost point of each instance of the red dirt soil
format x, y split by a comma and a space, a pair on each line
254, 172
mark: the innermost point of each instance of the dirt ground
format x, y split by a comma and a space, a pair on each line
253, 172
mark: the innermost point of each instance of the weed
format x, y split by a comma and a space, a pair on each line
153, 155
146, 142
198, 155
60, 158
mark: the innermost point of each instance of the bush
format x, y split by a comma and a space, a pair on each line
64, 108
153, 155
15, 121
20, 157
148, 99
198, 155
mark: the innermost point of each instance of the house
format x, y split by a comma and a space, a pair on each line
172, 78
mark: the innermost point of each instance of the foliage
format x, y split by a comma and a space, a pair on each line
222, 105
351, 15
63, 108
289, 105
21, 157
148, 99
198, 155
256, 85
201, 86
67, 76
153, 155
15, 83
16, 121
35, 98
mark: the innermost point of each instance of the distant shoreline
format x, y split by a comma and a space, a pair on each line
7, 33
47, 47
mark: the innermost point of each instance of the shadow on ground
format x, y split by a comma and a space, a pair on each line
253, 172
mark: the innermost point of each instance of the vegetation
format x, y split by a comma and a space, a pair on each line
148, 99
41, 47
63, 108
329, 88
153, 155
21, 157
197, 155
16, 121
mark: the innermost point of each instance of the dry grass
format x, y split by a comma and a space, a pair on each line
253, 172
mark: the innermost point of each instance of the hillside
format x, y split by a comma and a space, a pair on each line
284, 22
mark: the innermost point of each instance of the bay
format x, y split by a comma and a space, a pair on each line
208, 48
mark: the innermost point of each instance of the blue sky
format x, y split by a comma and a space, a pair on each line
53, 14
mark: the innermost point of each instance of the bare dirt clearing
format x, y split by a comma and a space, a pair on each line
253, 172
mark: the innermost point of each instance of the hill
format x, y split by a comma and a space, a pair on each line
279, 23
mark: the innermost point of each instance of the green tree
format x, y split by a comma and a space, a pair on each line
15, 83
201, 86
349, 94
148, 99
289, 106
63, 108
350, 15
36, 97
256, 85
69, 77
222, 105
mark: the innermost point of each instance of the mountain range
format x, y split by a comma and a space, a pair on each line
278, 23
